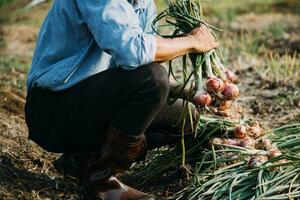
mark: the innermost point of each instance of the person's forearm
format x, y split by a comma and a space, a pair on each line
199, 40
168, 49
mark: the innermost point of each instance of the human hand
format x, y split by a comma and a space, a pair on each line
202, 40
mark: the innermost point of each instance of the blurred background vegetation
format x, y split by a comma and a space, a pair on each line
249, 27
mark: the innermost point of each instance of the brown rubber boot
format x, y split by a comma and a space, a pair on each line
117, 155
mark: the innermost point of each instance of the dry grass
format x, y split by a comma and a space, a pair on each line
26, 170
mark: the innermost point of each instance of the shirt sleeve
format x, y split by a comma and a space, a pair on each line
151, 15
116, 29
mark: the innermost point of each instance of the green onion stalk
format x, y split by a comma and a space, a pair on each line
235, 172
208, 80
225, 169
210, 77
227, 160
207, 128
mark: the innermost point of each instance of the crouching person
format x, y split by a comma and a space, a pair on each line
96, 90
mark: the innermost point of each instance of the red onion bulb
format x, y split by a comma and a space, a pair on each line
247, 142
231, 142
256, 161
230, 91
214, 85
274, 153
202, 99
231, 76
266, 144
240, 132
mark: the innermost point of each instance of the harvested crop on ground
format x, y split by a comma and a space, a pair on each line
220, 166
228, 158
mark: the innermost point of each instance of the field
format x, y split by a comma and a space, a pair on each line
260, 42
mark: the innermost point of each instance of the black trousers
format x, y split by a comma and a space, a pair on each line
76, 120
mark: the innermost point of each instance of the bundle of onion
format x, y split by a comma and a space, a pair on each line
216, 83
212, 81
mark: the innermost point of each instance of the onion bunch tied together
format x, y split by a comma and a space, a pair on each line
211, 81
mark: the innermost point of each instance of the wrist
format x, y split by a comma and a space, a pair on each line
191, 43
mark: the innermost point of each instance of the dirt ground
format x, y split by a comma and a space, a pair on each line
262, 47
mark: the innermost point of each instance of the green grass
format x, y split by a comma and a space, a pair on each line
281, 68
225, 11
228, 10
5, 9
14, 12
7, 63
6, 2
248, 42
2, 43
277, 30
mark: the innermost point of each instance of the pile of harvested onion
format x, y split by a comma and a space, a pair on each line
250, 136
269, 170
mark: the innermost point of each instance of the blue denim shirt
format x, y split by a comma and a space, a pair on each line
80, 38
